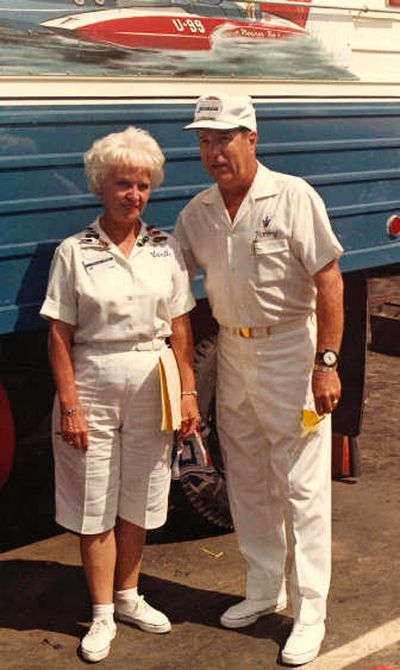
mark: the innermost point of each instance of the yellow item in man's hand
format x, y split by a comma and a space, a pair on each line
170, 391
310, 421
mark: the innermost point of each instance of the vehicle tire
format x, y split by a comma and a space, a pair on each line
7, 437
203, 484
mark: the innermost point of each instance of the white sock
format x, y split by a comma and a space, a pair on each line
127, 595
103, 611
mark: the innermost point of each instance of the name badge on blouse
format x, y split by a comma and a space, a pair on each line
100, 264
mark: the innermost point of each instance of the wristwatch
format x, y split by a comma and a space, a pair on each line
328, 358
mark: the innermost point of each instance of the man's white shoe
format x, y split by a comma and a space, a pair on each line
248, 611
303, 643
97, 642
140, 613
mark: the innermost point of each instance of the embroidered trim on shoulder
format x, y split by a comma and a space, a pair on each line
153, 236
91, 238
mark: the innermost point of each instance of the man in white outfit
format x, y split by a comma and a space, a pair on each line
269, 257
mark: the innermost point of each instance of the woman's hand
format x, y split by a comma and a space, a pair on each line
190, 415
73, 424
182, 344
74, 429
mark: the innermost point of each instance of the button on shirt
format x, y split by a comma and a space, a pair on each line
109, 297
258, 269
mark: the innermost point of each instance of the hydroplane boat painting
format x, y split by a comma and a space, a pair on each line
181, 28
282, 39
29, 14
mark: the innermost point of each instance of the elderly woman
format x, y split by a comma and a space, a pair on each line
116, 291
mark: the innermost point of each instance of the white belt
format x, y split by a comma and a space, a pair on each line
151, 345
252, 332
126, 345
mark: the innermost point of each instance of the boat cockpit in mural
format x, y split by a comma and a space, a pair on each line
289, 39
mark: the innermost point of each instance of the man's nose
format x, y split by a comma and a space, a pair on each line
216, 148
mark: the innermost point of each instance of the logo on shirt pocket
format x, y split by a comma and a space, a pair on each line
267, 245
271, 258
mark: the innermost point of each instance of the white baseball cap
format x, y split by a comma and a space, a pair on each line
223, 112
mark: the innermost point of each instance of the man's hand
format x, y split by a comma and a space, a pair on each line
326, 388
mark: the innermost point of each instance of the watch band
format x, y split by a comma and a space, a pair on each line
324, 368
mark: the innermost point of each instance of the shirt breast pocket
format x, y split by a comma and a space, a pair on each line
271, 259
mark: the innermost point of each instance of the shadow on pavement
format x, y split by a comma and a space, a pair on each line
53, 597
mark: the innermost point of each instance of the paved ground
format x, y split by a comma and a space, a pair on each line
194, 573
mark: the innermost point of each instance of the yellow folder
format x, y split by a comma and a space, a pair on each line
310, 421
170, 391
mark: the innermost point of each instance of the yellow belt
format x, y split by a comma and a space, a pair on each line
251, 332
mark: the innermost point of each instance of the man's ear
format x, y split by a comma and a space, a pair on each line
253, 138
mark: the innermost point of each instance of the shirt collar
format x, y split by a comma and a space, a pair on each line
113, 248
263, 186
103, 234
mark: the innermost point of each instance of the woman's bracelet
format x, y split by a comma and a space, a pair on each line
69, 410
192, 392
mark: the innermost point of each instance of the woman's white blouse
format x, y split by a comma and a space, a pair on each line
108, 297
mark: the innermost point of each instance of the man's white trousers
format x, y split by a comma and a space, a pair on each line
279, 482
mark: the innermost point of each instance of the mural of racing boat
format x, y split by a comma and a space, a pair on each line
193, 26
280, 39
29, 14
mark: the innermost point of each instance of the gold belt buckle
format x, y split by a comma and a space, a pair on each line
245, 332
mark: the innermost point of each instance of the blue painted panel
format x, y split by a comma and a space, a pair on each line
350, 152
335, 158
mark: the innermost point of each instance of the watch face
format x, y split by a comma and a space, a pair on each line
329, 358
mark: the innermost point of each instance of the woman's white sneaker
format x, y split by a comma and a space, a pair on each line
303, 643
139, 613
97, 642
249, 611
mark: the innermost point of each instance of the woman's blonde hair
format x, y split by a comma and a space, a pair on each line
132, 147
